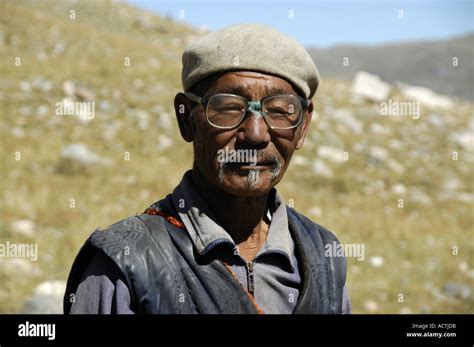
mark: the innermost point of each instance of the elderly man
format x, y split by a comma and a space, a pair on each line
223, 241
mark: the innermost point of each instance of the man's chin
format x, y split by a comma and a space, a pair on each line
247, 182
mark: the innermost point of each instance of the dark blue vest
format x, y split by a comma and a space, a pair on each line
157, 257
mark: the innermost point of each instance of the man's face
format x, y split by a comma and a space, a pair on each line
273, 147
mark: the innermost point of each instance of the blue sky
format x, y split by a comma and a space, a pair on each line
325, 23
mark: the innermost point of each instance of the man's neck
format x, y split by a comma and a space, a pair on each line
241, 217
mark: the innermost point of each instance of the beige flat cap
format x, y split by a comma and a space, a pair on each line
252, 47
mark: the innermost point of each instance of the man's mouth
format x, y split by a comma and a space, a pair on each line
259, 165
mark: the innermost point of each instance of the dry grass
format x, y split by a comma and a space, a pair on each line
415, 241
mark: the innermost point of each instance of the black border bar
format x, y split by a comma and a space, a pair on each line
222, 329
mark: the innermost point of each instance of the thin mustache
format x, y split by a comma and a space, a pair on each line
261, 158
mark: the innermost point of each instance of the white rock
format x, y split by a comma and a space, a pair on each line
42, 84
19, 267
371, 87
46, 299
464, 139
316, 211
395, 144
378, 129
395, 166
379, 153
69, 88
143, 119
25, 86
346, 117
320, 168
164, 142
406, 310
418, 196
164, 121
371, 306
42, 110
426, 96
84, 94
376, 261
299, 160
24, 227
465, 197
17, 132
332, 154
50, 288
80, 154
399, 189
451, 184
436, 120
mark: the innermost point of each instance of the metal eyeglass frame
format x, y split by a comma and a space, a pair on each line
251, 105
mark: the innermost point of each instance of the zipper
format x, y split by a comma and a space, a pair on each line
250, 278
214, 244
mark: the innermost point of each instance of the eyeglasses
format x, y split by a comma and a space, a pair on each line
227, 111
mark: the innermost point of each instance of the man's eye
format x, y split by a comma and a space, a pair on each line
229, 108
278, 111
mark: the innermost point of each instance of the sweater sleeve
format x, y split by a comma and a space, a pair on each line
346, 302
102, 289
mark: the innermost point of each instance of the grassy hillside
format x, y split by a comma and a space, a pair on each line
408, 250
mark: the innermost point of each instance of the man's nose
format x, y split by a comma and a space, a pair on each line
254, 130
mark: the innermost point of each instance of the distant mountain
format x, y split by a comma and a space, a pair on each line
425, 63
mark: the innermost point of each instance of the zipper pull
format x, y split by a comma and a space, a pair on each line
250, 278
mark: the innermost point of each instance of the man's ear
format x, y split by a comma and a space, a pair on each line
182, 107
307, 116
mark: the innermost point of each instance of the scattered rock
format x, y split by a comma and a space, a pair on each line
376, 261
399, 189
395, 166
378, 129
379, 153
25, 86
42, 84
46, 299
464, 139
19, 267
17, 132
370, 87
346, 118
436, 120
316, 211
332, 154
465, 197
457, 290
426, 96
80, 154
68, 88
463, 266
320, 168
371, 306
164, 142
80, 93
419, 196
23, 227
299, 160
406, 310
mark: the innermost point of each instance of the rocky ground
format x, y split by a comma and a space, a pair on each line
388, 166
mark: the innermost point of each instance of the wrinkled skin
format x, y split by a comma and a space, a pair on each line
237, 196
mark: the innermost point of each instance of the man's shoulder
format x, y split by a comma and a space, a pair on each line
126, 229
